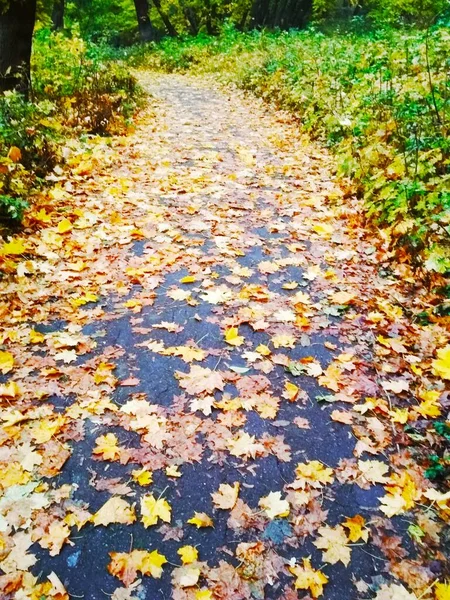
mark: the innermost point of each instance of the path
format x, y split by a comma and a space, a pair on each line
210, 305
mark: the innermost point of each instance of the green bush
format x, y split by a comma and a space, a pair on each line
379, 100
77, 88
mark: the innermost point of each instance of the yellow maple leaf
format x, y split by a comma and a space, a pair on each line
188, 554
441, 365
15, 246
6, 362
373, 471
172, 471
244, 445
13, 474
342, 298
232, 337
125, 565
308, 579
153, 509
106, 446
36, 337
142, 476
442, 591
203, 595
313, 473
356, 528
115, 510
334, 543
10, 390
263, 350
323, 229
151, 564
291, 391
442, 500
393, 504
64, 226
201, 519
188, 279
283, 341
227, 496
274, 506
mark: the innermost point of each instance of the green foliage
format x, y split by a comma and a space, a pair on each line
420, 12
110, 21
379, 100
76, 89
12, 209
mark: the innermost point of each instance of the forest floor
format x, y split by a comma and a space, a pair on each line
204, 353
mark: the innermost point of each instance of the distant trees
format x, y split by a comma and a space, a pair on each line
283, 14
58, 15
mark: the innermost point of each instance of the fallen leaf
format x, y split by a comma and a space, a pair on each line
115, 510
308, 579
201, 520
227, 496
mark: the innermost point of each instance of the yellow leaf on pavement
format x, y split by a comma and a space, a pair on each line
15, 246
6, 362
115, 510
334, 544
142, 476
441, 365
201, 519
442, 591
274, 506
188, 554
153, 509
106, 446
227, 496
356, 528
308, 579
232, 337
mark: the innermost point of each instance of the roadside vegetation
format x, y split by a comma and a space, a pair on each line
378, 99
77, 90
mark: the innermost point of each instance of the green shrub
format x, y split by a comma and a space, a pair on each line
77, 88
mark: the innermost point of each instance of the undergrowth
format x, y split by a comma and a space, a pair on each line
76, 89
379, 99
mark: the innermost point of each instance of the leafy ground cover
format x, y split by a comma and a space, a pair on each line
380, 100
76, 91
209, 390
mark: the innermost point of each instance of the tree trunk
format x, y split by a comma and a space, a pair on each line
167, 22
191, 18
209, 22
58, 15
146, 31
280, 13
16, 38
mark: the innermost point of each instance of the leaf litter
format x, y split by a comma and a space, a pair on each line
202, 362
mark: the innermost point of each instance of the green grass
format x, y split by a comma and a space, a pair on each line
379, 100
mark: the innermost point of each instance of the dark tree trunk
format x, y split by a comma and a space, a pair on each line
191, 18
280, 13
146, 31
16, 38
209, 21
58, 15
165, 19
243, 21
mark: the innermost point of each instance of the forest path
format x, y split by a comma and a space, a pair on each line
216, 332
